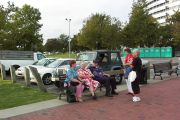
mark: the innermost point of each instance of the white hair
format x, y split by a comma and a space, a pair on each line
136, 51
83, 63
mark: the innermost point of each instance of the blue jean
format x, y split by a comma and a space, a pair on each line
127, 71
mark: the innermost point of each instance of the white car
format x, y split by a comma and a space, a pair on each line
43, 62
47, 71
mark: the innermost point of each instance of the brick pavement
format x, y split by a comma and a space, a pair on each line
160, 101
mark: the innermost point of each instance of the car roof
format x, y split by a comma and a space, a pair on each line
94, 51
65, 59
50, 58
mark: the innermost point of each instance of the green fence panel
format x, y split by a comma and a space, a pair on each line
146, 52
166, 52
151, 52
156, 52
169, 52
163, 52
141, 52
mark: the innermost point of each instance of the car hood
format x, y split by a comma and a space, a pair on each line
44, 70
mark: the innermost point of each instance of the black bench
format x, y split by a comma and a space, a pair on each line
165, 67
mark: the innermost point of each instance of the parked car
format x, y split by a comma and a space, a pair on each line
19, 58
43, 62
46, 71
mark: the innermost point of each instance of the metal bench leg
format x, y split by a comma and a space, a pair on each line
60, 96
161, 77
177, 73
100, 87
154, 77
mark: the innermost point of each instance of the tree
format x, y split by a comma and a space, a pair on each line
59, 44
27, 28
52, 45
98, 31
174, 22
63, 43
6, 24
142, 29
20, 28
165, 36
75, 46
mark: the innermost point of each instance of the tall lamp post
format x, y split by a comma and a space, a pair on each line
69, 40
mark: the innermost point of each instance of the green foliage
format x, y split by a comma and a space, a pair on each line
52, 45
20, 28
98, 31
64, 55
13, 95
142, 29
59, 44
75, 46
165, 36
174, 21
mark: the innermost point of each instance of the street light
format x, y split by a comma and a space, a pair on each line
69, 21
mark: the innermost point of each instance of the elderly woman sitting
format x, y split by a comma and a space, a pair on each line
73, 79
86, 76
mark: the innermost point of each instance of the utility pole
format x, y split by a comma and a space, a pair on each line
69, 40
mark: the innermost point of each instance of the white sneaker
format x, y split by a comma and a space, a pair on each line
139, 99
136, 99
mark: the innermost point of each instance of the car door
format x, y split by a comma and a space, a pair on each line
115, 60
104, 60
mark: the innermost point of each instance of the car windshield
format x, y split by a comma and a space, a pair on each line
44, 62
55, 64
40, 56
86, 57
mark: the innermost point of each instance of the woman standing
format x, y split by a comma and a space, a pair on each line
128, 60
86, 75
72, 78
127, 64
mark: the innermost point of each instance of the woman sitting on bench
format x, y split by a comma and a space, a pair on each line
72, 79
86, 76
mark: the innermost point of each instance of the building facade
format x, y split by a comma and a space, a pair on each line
162, 9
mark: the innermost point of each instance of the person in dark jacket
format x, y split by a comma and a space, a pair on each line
136, 66
103, 78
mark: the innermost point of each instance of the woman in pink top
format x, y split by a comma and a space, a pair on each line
86, 76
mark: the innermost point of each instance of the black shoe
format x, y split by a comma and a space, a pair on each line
114, 93
94, 97
109, 95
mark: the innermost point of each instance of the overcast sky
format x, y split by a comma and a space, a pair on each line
54, 12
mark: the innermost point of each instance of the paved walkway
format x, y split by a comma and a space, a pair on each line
160, 101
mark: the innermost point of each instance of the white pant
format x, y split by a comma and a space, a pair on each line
129, 86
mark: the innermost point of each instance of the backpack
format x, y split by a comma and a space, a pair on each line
70, 94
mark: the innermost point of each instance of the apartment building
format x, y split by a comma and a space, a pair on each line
162, 9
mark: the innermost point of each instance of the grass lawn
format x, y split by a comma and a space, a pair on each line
12, 95
65, 55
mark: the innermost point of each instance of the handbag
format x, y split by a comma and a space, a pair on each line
70, 94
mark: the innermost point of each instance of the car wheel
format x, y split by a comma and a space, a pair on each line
118, 78
47, 79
